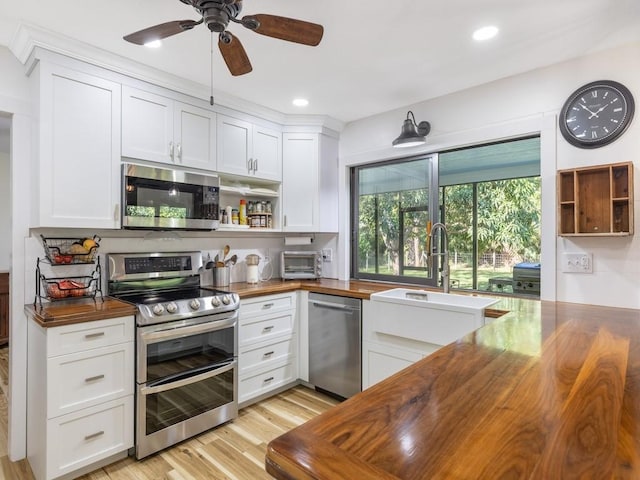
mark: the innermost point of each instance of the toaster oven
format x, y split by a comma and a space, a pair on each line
300, 265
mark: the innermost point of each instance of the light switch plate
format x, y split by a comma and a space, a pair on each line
577, 262
327, 254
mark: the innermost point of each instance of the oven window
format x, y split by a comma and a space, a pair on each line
183, 354
182, 403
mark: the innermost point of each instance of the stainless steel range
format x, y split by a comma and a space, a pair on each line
186, 346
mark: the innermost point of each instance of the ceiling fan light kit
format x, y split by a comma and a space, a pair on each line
216, 15
412, 134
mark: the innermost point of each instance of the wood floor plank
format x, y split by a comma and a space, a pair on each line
232, 462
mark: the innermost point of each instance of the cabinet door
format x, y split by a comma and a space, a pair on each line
300, 182
79, 169
267, 153
382, 361
147, 126
195, 135
234, 137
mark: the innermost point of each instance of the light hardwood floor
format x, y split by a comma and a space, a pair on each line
234, 451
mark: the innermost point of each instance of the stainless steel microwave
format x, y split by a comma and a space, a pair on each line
300, 265
164, 199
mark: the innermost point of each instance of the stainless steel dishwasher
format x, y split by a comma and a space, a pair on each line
335, 341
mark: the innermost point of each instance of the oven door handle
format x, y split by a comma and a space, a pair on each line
149, 337
168, 383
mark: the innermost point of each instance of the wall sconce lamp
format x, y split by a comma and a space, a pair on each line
412, 134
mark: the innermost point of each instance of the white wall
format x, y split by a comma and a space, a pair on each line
5, 213
14, 100
505, 108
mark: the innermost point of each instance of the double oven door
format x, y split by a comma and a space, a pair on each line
187, 379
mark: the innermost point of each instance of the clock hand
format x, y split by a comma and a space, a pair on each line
595, 114
584, 107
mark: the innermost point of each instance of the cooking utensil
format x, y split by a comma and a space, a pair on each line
225, 252
231, 260
219, 264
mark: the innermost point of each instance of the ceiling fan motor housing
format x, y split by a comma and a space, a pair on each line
217, 13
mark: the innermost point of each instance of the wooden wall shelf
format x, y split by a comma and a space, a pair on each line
596, 201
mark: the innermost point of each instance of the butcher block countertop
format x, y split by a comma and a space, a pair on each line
83, 310
554, 395
350, 288
55, 314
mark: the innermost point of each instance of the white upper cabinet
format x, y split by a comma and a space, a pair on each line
160, 129
78, 174
309, 183
249, 150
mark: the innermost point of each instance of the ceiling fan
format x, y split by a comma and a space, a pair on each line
216, 15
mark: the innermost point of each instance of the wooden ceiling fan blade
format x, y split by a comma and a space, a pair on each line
288, 29
158, 32
234, 54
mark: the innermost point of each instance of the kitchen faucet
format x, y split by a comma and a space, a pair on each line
444, 254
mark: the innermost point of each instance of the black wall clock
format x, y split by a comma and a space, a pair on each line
596, 114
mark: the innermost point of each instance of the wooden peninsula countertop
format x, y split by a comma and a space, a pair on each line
548, 396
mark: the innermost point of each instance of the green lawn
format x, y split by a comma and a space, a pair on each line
461, 276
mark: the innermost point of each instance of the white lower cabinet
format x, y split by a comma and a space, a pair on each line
80, 400
268, 345
384, 354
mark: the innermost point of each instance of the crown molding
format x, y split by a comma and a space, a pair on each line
29, 37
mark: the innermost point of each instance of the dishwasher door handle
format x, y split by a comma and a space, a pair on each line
333, 306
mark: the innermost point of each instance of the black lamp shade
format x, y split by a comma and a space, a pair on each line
412, 135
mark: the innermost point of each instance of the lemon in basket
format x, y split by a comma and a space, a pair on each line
89, 243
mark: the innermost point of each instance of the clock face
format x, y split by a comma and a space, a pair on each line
596, 114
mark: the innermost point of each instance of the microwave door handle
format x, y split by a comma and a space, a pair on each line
195, 329
187, 381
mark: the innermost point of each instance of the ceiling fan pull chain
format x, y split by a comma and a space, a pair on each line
211, 97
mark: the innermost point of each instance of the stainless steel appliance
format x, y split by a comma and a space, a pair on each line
526, 278
186, 346
161, 199
300, 265
335, 344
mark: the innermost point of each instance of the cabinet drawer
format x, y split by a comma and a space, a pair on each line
256, 385
82, 438
265, 305
83, 336
265, 329
84, 379
251, 359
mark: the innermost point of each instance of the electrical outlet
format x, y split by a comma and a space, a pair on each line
327, 255
577, 262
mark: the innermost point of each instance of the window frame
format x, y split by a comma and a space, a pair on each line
433, 214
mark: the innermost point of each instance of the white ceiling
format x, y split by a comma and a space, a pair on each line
375, 56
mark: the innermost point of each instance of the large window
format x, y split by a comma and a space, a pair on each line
393, 204
488, 197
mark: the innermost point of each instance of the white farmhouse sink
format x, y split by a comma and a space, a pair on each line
422, 298
432, 317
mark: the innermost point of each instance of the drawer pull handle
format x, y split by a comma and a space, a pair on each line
89, 336
94, 435
267, 380
267, 306
268, 354
267, 329
93, 379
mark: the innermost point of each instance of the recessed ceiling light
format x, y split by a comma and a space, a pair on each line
153, 44
485, 33
301, 102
